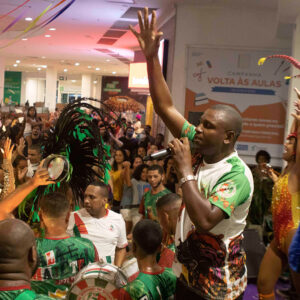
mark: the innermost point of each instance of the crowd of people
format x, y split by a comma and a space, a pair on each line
181, 217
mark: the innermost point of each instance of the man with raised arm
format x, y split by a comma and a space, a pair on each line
217, 189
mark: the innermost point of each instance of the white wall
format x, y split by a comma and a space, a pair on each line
220, 28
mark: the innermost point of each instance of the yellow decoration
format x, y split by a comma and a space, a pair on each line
287, 77
261, 61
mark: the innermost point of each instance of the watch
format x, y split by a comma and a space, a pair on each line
186, 178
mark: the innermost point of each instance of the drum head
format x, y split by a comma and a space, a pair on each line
97, 281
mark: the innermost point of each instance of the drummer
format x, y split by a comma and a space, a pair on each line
61, 257
105, 228
154, 281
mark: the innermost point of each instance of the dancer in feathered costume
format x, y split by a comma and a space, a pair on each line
285, 204
76, 137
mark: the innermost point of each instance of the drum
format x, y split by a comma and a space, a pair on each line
131, 269
97, 281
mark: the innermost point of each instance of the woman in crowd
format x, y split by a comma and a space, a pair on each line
285, 211
139, 185
30, 118
116, 175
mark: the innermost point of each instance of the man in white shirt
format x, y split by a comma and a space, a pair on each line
105, 228
34, 159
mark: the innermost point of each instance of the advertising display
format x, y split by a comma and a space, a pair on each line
12, 88
258, 93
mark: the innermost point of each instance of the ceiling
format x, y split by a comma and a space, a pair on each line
94, 33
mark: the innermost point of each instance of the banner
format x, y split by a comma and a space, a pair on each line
12, 88
233, 77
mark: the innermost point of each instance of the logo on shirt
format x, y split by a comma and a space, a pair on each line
226, 189
111, 227
50, 258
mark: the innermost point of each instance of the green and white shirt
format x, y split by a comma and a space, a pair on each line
20, 293
59, 262
214, 263
151, 286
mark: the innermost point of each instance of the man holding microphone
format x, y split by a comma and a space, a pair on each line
217, 189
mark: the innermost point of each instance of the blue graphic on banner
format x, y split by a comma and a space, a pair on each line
222, 89
242, 147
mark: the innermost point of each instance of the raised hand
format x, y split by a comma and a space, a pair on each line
21, 146
22, 173
8, 149
148, 37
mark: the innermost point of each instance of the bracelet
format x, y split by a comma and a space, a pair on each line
186, 178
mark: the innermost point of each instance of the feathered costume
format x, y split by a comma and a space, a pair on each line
76, 137
290, 59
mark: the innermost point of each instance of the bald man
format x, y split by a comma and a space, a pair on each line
217, 188
18, 261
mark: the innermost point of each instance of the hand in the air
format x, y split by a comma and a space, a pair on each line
8, 149
22, 173
296, 115
182, 156
148, 37
21, 146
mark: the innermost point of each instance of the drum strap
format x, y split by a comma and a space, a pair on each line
26, 295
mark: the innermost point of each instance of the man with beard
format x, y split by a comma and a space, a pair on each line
105, 228
18, 261
217, 188
148, 204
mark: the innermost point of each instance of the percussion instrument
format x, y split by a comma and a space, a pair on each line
100, 281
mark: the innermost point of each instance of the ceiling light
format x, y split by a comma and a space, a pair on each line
95, 81
65, 70
77, 64
114, 72
52, 29
39, 69
28, 19
97, 69
47, 35
89, 67
18, 61
73, 80
108, 60
43, 57
44, 66
24, 39
15, 65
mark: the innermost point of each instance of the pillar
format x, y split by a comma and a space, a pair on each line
2, 74
51, 86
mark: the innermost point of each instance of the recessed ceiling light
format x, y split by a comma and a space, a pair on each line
73, 80
65, 70
89, 67
43, 57
28, 19
44, 66
24, 39
39, 69
18, 61
77, 64
114, 72
52, 29
47, 35
15, 65
95, 81
108, 60
97, 69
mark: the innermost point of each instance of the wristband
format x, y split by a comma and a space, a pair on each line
186, 178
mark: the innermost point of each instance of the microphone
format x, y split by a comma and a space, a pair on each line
158, 155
